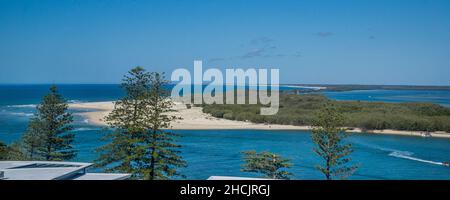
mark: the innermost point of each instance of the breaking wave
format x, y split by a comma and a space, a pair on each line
400, 154
22, 114
86, 129
408, 155
74, 101
22, 106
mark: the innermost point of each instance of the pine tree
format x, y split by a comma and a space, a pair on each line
138, 144
328, 135
48, 136
266, 163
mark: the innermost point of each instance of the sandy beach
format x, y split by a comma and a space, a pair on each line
195, 119
192, 119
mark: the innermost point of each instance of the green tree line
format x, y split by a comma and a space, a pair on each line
300, 110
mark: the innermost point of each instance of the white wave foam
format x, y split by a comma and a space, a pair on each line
74, 101
22, 106
377, 147
22, 114
408, 155
306, 87
86, 129
400, 154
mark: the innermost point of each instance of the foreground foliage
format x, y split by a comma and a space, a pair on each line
138, 144
269, 164
328, 138
3, 151
48, 136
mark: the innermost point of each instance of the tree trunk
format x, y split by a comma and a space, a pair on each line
152, 160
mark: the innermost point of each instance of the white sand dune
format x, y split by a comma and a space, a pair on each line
192, 118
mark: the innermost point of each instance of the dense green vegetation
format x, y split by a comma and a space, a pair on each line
300, 110
3, 151
268, 164
13, 151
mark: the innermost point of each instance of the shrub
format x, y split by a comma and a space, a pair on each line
228, 116
218, 113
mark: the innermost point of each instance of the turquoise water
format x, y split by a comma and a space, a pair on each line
441, 97
380, 157
217, 152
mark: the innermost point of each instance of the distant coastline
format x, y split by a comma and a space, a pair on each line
349, 87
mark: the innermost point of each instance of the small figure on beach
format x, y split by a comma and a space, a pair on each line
425, 134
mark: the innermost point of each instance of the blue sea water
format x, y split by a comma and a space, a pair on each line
441, 97
217, 152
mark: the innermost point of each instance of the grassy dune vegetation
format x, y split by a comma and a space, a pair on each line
301, 110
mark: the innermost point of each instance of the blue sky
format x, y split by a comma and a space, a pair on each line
328, 42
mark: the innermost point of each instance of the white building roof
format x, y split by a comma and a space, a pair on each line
234, 178
51, 170
103, 176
